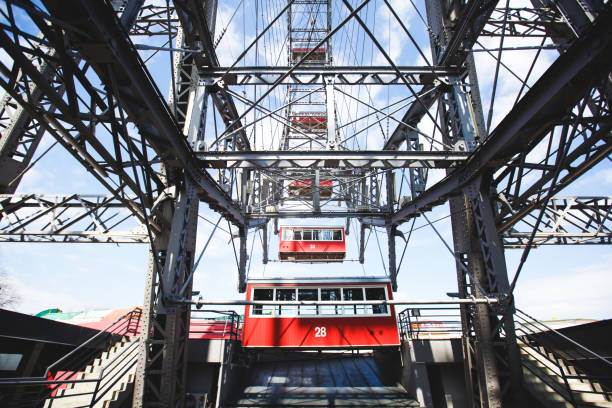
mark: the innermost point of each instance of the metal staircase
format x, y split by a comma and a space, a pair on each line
106, 382
553, 367
98, 373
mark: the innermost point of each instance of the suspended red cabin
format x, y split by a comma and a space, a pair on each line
332, 323
312, 244
310, 123
318, 56
304, 188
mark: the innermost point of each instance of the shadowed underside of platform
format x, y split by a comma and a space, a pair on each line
335, 381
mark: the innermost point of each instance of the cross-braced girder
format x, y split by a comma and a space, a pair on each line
70, 219
567, 221
574, 79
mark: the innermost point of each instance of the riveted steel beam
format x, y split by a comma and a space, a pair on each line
331, 159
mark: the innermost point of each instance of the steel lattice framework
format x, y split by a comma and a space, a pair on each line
82, 75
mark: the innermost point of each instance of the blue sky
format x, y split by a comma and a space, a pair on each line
557, 282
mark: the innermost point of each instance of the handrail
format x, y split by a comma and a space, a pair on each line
426, 323
534, 334
113, 370
102, 332
580, 346
232, 328
569, 397
45, 386
128, 350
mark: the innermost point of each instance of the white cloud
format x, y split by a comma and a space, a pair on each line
604, 175
580, 292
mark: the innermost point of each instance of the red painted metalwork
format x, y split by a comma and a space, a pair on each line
317, 327
312, 244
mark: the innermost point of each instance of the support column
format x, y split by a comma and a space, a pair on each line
391, 232
374, 192
264, 232
362, 243
494, 277
417, 176
391, 229
332, 139
316, 191
161, 374
162, 365
242, 259
475, 239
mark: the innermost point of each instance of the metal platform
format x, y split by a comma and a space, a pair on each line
334, 381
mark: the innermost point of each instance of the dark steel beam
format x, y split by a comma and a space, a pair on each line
453, 54
70, 219
475, 15
197, 32
372, 217
573, 74
317, 75
566, 221
331, 159
106, 36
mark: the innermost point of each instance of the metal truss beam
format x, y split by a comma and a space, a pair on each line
467, 28
152, 20
451, 54
123, 71
572, 147
161, 378
566, 221
561, 87
77, 218
318, 75
20, 132
372, 217
69, 219
195, 17
331, 159
524, 22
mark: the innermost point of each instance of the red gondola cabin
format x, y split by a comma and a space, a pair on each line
303, 188
317, 56
312, 244
320, 326
310, 123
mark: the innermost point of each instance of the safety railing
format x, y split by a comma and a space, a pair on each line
560, 362
114, 371
34, 391
429, 322
215, 324
565, 356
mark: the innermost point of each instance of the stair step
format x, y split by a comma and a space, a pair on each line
115, 392
552, 390
534, 356
574, 383
582, 391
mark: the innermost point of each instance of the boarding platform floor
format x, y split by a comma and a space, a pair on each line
331, 381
